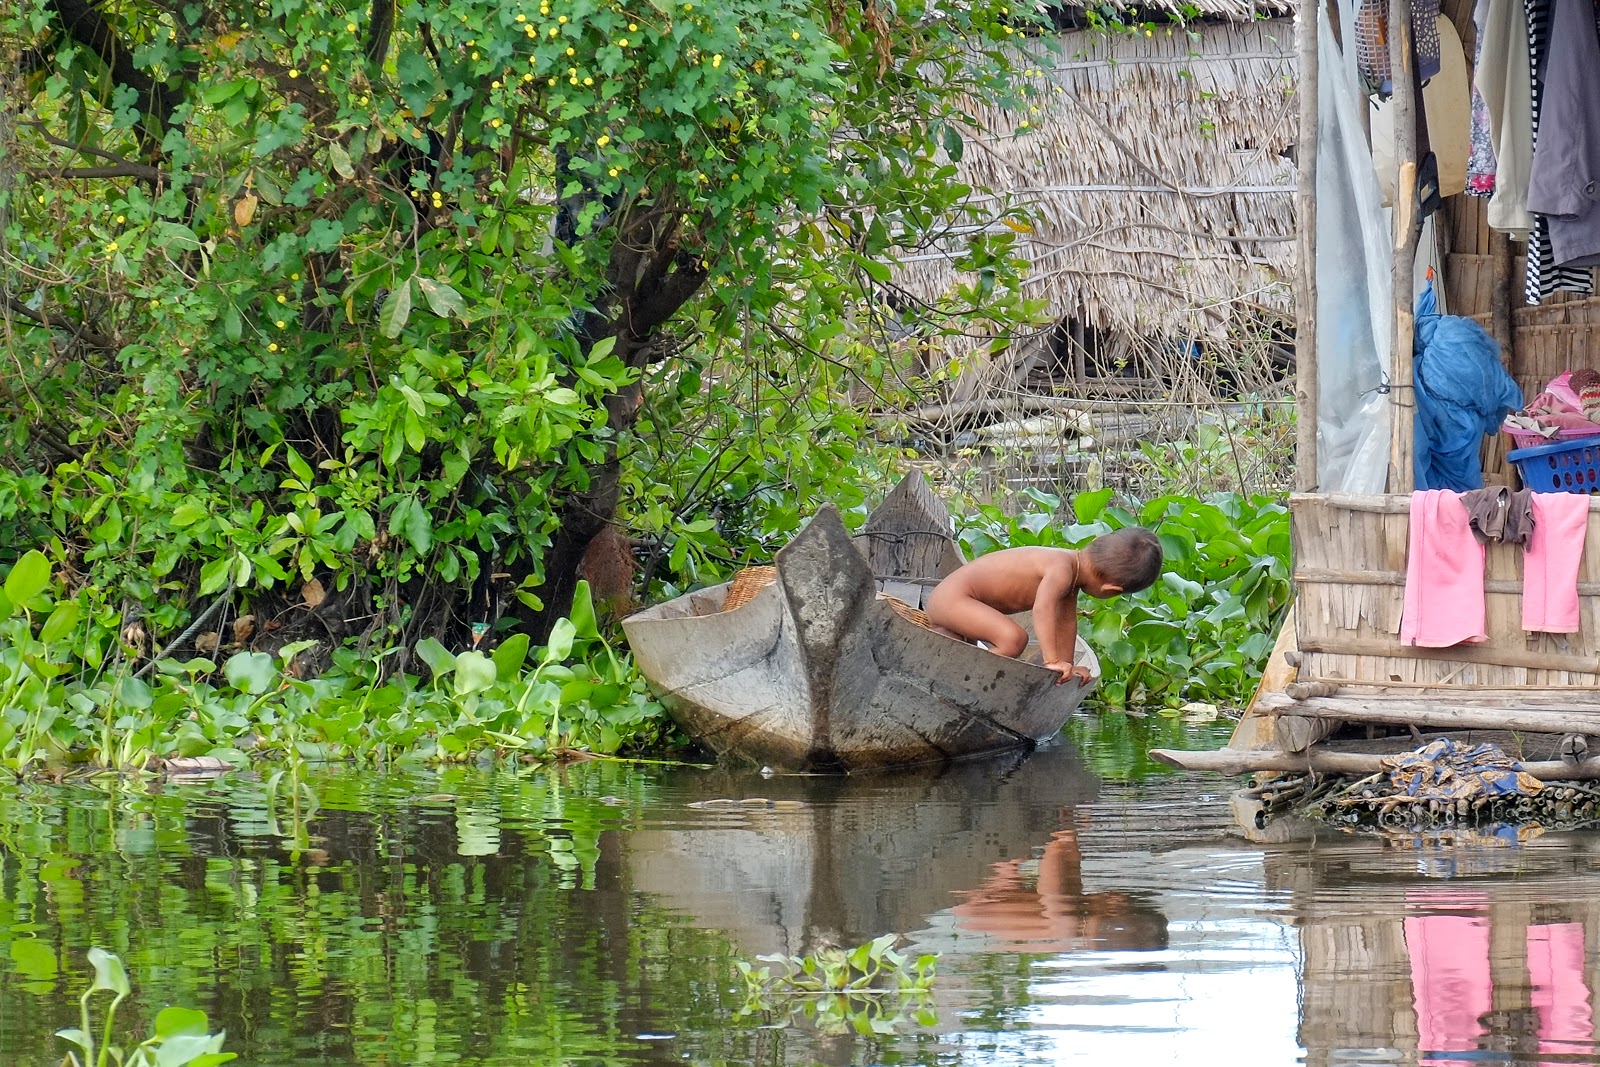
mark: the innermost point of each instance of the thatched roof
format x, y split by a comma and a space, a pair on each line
1157, 167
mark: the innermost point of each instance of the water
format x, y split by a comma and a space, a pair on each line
594, 916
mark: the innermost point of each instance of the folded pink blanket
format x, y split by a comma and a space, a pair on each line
1550, 564
1444, 573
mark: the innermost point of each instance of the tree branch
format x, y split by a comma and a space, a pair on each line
86, 26
78, 331
120, 170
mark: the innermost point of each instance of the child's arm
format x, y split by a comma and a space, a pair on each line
1055, 622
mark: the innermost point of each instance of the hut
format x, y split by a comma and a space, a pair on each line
1342, 659
1155, 166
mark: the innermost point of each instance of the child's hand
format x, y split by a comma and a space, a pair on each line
1068, 672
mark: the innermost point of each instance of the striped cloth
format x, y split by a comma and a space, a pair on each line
1544, 277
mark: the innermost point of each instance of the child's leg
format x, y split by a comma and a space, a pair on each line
974, 620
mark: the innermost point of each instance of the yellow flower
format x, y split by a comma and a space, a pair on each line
112, 247
122, 218
795, 34
350, 27
474, 55
1022, 125
281, 324
688, 7
527, 77
495, 123
552, 81
324, 68
604, 140
622, 42
572, 51
41, 200
553, 31
614, 172
294, 277
522, 18
562, 19
272, 347
574, 81
633, 27
588, 81
293, 73
716, 60
572, 72
282, 299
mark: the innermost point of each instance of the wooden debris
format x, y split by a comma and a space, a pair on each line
1576, 718
1322, 761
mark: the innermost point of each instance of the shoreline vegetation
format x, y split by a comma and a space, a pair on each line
74, 701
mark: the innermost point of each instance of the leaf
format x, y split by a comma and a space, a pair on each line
475, 672
108, 973
182, 1050
60, 623
187, 514
250, 672
76, 1036
560, 645
438, 658
340, 159
396, 310
244, 209
442, 298
28, 577
1088, 507
170, 1022
313, 594
510, 655
410, 520
582, 615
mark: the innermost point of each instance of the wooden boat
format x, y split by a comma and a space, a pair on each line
818, 671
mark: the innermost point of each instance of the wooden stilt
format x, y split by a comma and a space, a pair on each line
1407, 229
1305, 337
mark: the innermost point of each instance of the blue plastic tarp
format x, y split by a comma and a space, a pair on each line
1462, 392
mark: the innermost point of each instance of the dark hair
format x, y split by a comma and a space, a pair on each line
1130, 558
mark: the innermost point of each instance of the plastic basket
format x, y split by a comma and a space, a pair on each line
1565, 467
1526, 439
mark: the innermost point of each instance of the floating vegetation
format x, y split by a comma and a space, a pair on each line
182, 1036
870, 989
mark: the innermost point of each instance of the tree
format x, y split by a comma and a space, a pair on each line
365, 296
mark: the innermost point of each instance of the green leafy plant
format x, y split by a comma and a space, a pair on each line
182, 1036
55, 715
871, 988
1204, 630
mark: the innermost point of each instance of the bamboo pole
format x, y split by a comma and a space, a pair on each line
1319, 761
1305, 336
1407, 229
1547, 719
1500, 324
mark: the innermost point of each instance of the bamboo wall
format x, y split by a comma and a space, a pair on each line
1350, 562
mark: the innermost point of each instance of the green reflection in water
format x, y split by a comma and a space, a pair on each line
1116, 746
462, 918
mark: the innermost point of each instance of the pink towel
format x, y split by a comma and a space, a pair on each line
1450, 981
1559, 993
1444, 573
1550, 564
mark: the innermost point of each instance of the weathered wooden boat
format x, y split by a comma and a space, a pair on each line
820, 671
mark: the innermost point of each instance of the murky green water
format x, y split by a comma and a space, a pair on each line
593, 916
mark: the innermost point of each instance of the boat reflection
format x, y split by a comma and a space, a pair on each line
986, 849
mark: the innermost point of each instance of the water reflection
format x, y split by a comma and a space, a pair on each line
594, 916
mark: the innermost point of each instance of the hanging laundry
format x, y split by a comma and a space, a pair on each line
1462, 394
1550, 563
1502, 77
1372, 42
1444, 574
1500, 515
1544, 276
1444, 126
1564, 185
1480, 160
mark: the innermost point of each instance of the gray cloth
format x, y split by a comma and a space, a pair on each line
1564, 185
1498, 514
1502, 77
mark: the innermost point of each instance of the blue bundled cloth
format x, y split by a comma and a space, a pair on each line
1463, 393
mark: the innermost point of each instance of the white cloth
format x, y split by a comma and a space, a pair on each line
1504, 82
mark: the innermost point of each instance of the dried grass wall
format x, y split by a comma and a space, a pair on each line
1159, 170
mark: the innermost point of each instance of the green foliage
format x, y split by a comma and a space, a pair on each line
870, 989
1204, 630
368, 295
577, 693
182, 1036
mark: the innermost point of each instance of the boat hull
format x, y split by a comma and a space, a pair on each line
817, 673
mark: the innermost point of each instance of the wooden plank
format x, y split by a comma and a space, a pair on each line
1305, 343
1392, 578
1407, 223
1505, 657
1546, 719
1323, 761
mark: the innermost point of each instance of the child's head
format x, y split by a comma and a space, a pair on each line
1124, 561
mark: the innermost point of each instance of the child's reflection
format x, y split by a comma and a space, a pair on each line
1050, 912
